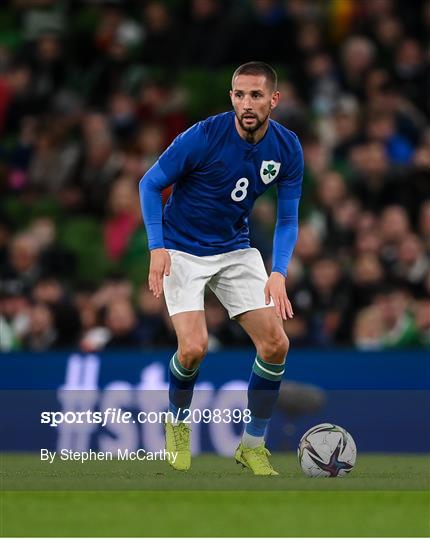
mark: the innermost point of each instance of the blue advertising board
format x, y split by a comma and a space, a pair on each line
382, 398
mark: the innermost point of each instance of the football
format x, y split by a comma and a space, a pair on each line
327, 450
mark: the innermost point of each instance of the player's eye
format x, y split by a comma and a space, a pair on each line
256, 95
238, 94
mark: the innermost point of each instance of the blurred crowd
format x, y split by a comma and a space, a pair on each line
91, 92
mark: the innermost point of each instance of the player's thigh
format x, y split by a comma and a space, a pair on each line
192, 334
266, 330
184, 294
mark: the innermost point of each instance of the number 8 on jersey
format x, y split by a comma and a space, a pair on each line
240, 190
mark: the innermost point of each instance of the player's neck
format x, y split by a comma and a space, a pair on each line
252, 137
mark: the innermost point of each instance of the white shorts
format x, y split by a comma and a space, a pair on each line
237, 278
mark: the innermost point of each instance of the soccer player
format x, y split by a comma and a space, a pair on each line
219, 167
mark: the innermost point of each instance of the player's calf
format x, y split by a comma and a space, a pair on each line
263, 391
181, 388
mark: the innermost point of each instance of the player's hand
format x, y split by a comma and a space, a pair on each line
158, 268
275, 290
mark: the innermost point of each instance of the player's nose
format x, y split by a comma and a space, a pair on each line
247, 105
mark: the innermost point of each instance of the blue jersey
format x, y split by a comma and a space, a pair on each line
218, 176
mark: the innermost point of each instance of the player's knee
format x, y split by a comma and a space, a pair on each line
192, 353
275, 348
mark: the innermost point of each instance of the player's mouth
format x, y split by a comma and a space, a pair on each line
248, 117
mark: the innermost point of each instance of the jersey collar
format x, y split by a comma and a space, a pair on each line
245, 144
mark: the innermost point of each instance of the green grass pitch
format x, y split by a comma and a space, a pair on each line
385, 495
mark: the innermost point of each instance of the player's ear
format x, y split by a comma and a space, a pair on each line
275, 99
231, 96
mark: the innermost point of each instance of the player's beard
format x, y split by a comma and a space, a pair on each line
256, 126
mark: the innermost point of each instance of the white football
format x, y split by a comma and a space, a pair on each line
327, 450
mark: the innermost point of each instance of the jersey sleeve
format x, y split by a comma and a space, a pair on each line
290, 185
180, 158
185, 153
150, 188
286, 230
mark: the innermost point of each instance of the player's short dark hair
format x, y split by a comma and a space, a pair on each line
257, 68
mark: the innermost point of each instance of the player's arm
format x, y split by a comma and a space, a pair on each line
179, 159
150, 189
284, 240
285, 237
